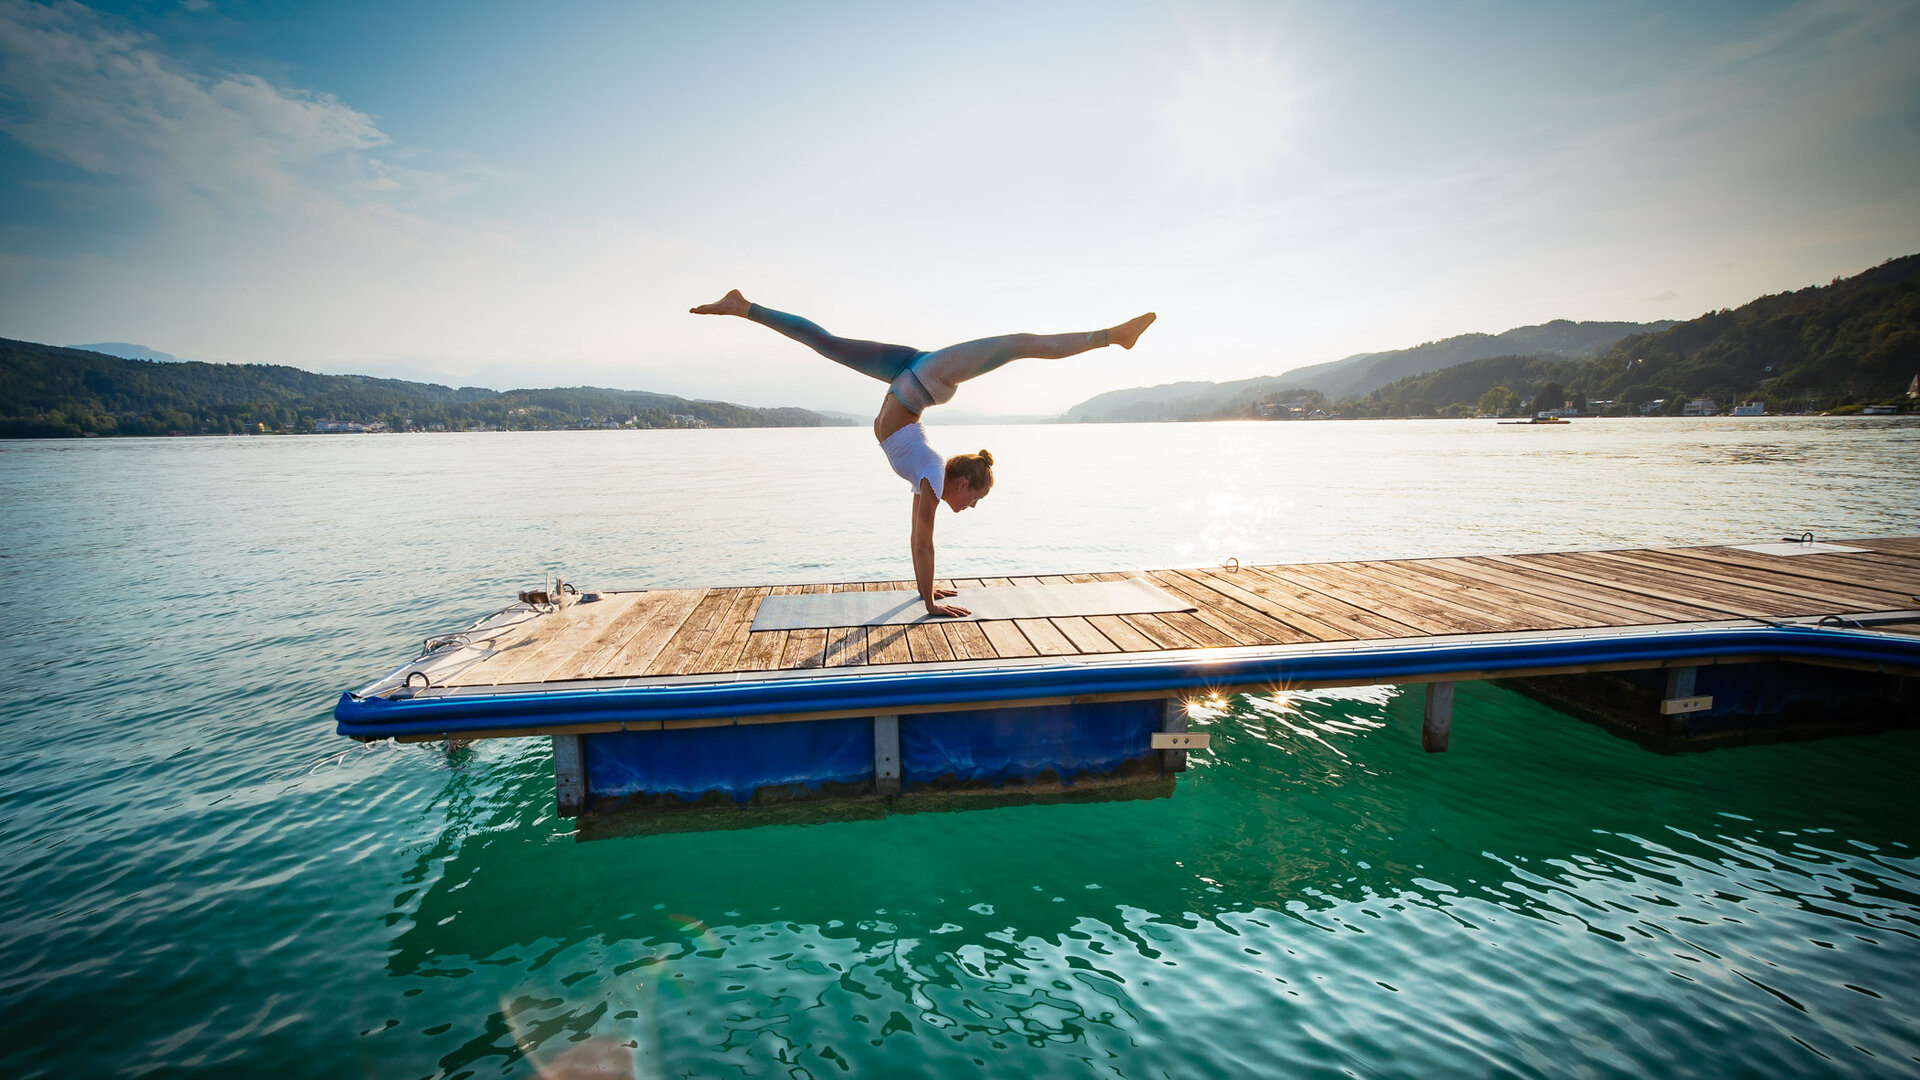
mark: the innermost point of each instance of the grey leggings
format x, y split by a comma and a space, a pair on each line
917, 378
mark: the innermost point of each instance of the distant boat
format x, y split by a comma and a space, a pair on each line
1541, 418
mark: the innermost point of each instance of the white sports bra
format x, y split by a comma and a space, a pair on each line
913, 460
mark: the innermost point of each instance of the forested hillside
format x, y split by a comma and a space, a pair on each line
48, 391
1349, 377
1855, 341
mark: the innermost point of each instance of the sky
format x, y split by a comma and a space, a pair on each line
519, 195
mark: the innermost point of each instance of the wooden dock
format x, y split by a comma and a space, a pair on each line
670, 698
691, 632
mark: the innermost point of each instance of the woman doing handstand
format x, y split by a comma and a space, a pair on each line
917, 379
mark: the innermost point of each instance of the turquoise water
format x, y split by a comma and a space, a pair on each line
197, 876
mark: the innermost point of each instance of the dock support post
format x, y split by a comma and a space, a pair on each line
1174, 720
1681, 698
1438, 723
886, 755
1680, 681
569, 776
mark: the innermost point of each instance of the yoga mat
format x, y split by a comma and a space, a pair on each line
803, 611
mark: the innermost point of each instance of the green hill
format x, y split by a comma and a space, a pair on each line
1351, 376
49, 391
1854, 341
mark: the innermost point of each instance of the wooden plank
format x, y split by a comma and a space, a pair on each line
1084, 636
1047, 640
1149, 628
1805, 571
1607, 584
1246, 624
764, 648
685, 646
805, 649
1873, 568
1324, 610
846, 646
1634, 607
588, 658
1122, 633
1745, 601
1577, 600
927, 643
1259, 595
562, 634
888, 645
1005, 637
1511, 612
763, 651
1115, 628
502, 657
1749, 584
729, 635
968, 641
1202, 635
632, 656
1362, 586
1891, 545
1301, 603
1158, 631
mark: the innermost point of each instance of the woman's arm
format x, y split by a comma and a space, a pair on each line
925, 505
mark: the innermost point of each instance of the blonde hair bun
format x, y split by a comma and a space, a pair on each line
977, 469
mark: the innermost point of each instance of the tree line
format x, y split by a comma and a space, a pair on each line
52, 392
1850, 343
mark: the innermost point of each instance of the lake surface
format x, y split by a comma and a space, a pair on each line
198, 876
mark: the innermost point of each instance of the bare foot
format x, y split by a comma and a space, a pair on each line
1129, 332
735, 304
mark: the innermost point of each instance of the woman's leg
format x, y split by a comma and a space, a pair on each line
870, 358
939, 372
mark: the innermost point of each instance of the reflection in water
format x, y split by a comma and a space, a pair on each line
1318, 895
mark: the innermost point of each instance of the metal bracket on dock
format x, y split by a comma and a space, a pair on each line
1173, 759
569, 776
1181, 740
886, 755
1680, 697
1437, 723
1697, 703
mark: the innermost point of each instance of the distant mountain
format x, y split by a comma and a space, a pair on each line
49, 391
1368, 371
1854, 341
1352, 375
128, 351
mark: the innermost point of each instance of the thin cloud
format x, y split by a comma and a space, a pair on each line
77, 88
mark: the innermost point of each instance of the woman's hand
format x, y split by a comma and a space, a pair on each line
950, 611
942, 594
